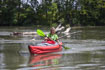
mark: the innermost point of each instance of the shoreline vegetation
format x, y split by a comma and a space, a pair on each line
52, 13
47, 27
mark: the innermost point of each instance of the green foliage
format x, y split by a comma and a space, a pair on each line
50, 12
89, 13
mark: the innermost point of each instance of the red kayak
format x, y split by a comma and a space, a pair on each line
44, 49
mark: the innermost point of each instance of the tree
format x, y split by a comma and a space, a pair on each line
8, 9
73, 12
89, 13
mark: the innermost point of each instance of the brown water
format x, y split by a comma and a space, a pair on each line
86, 53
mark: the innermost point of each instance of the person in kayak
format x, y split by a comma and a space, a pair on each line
52, 36
50, 39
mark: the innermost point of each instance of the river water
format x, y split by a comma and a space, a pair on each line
87, 50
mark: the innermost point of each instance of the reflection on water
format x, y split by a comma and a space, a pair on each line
86, 53
44, 60
10, 56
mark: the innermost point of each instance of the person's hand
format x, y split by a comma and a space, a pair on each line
45, 38
59, 44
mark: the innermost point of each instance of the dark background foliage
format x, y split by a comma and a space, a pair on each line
50, 12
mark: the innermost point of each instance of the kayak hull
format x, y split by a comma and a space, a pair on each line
44, 49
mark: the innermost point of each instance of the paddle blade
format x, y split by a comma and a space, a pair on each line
66, 48
40, 33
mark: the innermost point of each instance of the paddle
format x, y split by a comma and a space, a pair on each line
41, 33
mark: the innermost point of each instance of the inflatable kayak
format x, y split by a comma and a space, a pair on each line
40, 49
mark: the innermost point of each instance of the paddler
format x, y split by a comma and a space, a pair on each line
52, 36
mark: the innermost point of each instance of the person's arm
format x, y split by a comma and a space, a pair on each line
58, 42
47, 37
